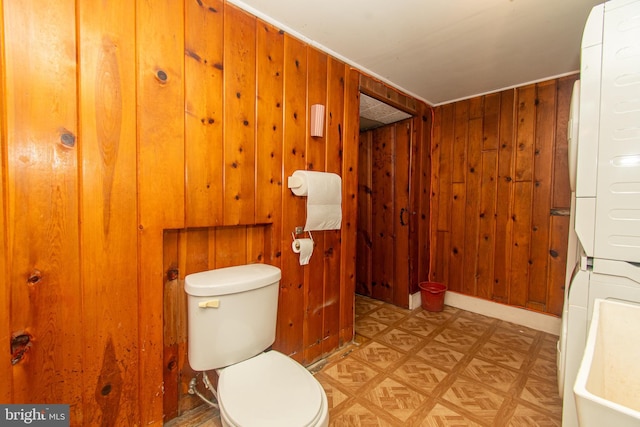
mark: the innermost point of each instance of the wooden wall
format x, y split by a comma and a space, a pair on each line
383, 226
500, 195
416, 195
142, 141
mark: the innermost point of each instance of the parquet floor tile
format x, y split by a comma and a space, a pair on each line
419, 368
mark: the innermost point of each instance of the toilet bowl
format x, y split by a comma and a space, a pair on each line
232, 321
271, 390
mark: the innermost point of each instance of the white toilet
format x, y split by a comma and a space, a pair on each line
232, 320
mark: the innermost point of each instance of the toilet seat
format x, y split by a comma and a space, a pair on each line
271, 389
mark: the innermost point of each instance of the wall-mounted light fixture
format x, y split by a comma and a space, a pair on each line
317, 120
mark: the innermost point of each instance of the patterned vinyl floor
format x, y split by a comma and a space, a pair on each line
418, 368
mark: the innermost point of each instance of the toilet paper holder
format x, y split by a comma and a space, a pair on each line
295, 182
298, 231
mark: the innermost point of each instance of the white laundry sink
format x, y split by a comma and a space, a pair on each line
607, 389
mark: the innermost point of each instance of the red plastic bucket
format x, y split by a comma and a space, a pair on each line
432, 295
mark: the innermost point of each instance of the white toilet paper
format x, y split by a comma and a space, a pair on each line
324, 199
304, 247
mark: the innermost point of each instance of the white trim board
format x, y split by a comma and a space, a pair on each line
519, 316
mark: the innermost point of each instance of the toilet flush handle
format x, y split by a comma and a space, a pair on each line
214, 303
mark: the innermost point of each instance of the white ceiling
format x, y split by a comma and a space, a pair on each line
440, 50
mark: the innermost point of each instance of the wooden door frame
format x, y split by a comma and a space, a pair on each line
388, 95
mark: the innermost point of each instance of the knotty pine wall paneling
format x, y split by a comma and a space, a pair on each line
289, 332
45, 291
161, 177
239, 116
333, 248
419, 199
419, 214
500, 195
203, 68
108, 211
5, 296
504, 225
365, 219
269, 136
315, 157
560, 200
488, 188
402, 173
349, 203
146, 151
542, 188
383, 168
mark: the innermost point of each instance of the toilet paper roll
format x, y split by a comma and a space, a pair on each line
324, 199
304, 247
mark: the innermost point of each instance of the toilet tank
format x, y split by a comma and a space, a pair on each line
231, 314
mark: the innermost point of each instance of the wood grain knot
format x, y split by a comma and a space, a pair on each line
162, 76
68, 139
20, 344
105, 390
172, 274
34, 277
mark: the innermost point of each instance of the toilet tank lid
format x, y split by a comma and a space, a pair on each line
230, 280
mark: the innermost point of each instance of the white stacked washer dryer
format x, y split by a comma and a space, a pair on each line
604, 164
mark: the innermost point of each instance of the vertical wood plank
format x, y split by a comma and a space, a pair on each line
419, 200
461, 135
269, 128
436, 203
457, 249
472, 205
542, 187
491, 122
196, 244
42, 200
521, 243
476, 108
445, 178
383, 209
269, 136
231, 246
488, 188
525, 136
504, 229
290, 317
442, 258
315, 160
557, 264
6, 386
316, 94
255, 244
487, 224
194, 255
160, 29
108, 211
349, 204
332, 243
172, 321
365, 226
402, 210
203, 63
561, 191
239, 116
